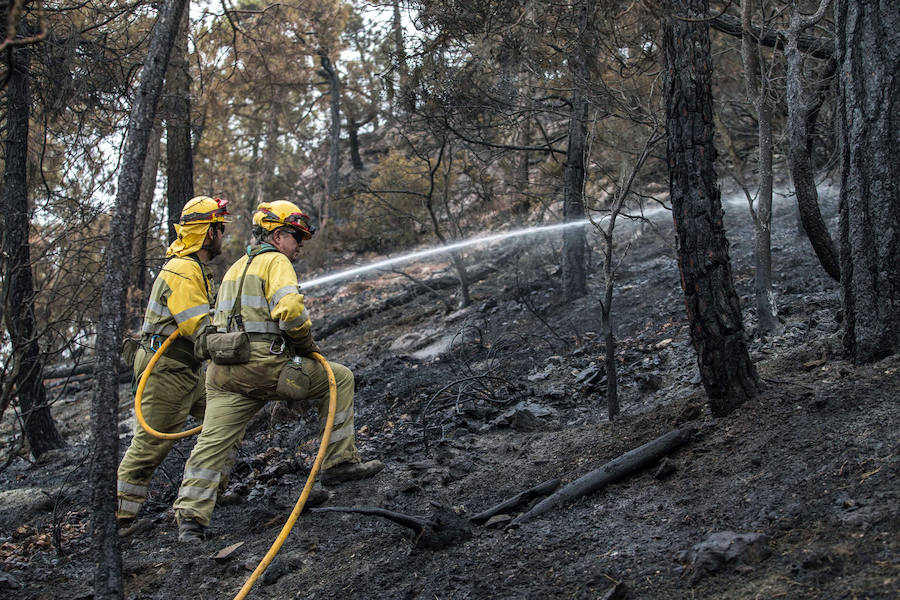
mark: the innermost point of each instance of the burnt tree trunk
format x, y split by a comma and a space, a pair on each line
758, 93
334, 136
179, 152
18, 301
142, 228
713, 308
868, 39
108, 582
799, 156
574, 277
266, 173
353, 137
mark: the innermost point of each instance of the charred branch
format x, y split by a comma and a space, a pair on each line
616, 469
818, 47
443, 529
517, 501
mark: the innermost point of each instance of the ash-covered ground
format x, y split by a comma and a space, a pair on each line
795, 495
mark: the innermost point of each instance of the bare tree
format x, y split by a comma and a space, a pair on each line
606, 227
574, 277
758, 92
334, 149
18, 277
179, 151
802, 114
105, 400
142, 227
799, 110
713, 308
868, 39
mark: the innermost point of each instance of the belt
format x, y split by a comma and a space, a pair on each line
180, 349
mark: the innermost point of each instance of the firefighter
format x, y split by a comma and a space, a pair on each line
182, 296
260, 296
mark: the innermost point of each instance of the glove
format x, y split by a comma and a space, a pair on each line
305, 345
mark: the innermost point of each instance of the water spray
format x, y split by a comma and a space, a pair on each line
439, 250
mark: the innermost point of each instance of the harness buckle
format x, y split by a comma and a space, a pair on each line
280, 349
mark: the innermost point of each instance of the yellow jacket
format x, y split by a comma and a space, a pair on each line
181, 298
271, 301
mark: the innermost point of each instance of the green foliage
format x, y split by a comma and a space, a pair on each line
390, 214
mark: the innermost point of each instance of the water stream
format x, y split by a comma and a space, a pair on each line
483, 239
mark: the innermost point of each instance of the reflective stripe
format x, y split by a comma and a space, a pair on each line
254, 301
339, 418
340, 434
200, 309
197, 493
201, 473
261, 327
246, 301
129, 507
161, 310
295, 322
158, 329
278, 295
130, 488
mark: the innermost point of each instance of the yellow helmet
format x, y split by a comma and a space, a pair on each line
281, 213
203, 209
197, 217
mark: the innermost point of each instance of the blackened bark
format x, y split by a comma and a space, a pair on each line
758, 93
868, 39
105, 400
574, 278
407, 96
40, 430
817, 46
142, 225
799, 156
713, 309
179, 151
353, 137
334, 150
266, 172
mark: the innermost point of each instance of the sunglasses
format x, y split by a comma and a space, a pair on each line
296, 235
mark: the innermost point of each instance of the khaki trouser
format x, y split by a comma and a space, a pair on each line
172, 391
234, 394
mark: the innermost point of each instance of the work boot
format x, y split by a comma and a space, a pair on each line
190, 532
351, 472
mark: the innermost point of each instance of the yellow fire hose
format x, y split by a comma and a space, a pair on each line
140, 392
301, 501
317, 464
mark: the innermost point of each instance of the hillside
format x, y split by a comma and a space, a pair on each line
795, 495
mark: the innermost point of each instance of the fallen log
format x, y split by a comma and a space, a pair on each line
444, 528
85, 368
520, 499
614, 470
76, 381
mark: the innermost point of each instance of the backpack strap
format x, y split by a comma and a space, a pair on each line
235, 315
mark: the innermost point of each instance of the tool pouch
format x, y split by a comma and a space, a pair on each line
293, 382
201, 349
129, 350
229, 348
